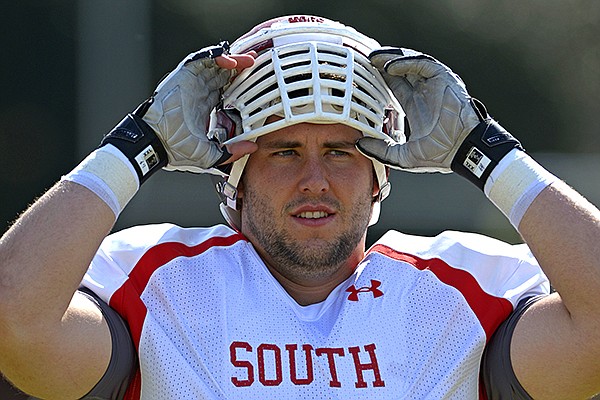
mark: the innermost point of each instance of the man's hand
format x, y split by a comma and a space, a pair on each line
179, 109
439, 110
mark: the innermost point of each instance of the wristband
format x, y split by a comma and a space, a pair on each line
109, 174
515, 183
481, 151
138, 142
128, 155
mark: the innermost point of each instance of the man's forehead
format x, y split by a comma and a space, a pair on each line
324, 134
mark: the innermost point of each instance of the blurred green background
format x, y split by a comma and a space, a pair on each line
70, 70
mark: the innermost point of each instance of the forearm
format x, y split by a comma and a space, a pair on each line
559, 225
555, 346
47, 251
559, 334
563, 231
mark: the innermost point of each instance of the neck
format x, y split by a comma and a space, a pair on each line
310, 291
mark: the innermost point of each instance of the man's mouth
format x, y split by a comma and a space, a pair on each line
312, 214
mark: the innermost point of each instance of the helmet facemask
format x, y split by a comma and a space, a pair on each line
316, 72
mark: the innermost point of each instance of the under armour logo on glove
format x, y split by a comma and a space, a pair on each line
374, 288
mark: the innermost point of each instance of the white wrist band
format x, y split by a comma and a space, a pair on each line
109, 174
515, 183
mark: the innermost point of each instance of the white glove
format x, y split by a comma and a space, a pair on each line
180, 108
439, 110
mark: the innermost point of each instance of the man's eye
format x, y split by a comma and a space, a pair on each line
284, 153
338, 153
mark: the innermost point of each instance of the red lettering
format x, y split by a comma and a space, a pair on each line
331, 352
370, 348
261, 364
305, 18
291, 348
268, 360
241, 364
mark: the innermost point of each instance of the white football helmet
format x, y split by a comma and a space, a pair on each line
308, 69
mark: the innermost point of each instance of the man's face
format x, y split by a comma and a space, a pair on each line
307, 199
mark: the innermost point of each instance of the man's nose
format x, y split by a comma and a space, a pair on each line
314, 176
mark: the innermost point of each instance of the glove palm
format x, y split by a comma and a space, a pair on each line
180, 108
439, 110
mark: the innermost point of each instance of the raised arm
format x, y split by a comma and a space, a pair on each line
54, 343
555, 347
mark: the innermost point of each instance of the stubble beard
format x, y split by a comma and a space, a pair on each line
311, 259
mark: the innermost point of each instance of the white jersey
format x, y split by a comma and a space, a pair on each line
210, 322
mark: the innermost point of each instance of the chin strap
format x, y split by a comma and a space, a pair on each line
228, 189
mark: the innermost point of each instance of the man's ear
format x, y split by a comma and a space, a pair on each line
375, 188
376, 182
240, 189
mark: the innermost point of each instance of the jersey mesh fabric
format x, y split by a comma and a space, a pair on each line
210, 322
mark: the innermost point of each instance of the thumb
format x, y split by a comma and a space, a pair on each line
380, 57
420, 64
388, 153
234, 151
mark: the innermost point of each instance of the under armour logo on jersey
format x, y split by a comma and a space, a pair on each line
374, 288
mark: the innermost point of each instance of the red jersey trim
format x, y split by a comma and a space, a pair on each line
490, 310
127, 299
